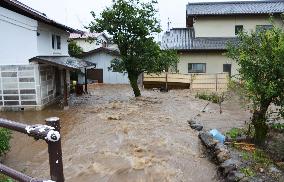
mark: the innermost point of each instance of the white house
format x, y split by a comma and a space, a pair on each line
211, 25
102, 57
98, 49
90, 41
34, 60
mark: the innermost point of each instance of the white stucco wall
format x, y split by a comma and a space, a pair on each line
89, 46
103, 61
214, 62
44, 41
224, 26
18, 38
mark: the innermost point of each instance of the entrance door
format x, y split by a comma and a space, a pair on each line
95, 74
58, 81
227, 68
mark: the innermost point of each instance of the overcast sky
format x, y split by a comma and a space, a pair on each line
76, 13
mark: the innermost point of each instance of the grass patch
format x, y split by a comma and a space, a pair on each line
212, 97
278, 126
247, 171
4, 178
235, 132
5, 136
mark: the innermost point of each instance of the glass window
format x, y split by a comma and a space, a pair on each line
53, 41
238, 29
260, 28
58, 42
196, 67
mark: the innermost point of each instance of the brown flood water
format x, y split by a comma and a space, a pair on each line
110, 136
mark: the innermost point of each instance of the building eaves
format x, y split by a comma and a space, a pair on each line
107, 50
235, 8
184, 40
63, 62
25, 10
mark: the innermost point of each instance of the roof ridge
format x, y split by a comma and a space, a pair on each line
234, 2
28, 7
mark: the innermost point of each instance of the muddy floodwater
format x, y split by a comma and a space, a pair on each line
110, 136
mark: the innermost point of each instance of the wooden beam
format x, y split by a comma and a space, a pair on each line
86, 81
65, 92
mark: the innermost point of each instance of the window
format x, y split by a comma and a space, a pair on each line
196, 67
58, 42
53, 41
238, 29
260, 28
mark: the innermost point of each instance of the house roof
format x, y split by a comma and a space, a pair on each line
63, 61
108, 50
183, 39
211, 43
235, 8
86, 35
25, 10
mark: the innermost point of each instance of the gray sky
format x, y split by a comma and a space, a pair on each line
76, 13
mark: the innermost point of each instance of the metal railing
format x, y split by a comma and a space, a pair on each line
51, 134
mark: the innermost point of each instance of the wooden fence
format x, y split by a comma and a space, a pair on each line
211, 82
51, 134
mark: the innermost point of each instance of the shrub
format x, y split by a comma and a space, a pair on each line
213, 97
5, 136
4, 178
278, 126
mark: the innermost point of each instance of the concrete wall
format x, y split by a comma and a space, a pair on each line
224, 26
214, 62
18, 38
23, 38
89, 46
103, 61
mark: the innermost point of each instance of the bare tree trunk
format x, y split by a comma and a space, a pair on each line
259, 123
133, 82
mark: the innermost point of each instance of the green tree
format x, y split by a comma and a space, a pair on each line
260, 56
74, 50
132, 25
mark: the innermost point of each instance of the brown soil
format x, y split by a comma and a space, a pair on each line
111, 136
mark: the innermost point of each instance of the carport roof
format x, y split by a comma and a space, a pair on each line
63, 61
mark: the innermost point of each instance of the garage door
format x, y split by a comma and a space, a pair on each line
96, 74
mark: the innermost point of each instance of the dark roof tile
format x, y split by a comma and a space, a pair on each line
233, 8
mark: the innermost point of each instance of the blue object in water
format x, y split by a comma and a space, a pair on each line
217, 136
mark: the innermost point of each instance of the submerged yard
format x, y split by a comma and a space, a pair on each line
109, 135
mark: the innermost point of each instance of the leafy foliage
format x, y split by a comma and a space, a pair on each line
260, 58
4, 178
133, 24
213, 97
5, 136
278, 126
235, 132
74, 50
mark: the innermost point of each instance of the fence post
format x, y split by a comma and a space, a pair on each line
55, 152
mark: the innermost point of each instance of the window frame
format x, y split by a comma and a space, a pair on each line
238, 29
58, 42
260, 28
53, 40
196, 71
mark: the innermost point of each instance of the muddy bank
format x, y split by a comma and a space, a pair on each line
111, 136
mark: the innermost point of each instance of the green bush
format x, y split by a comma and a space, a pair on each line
213, 97
5, 136
278, 126
4, 178
234, 133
